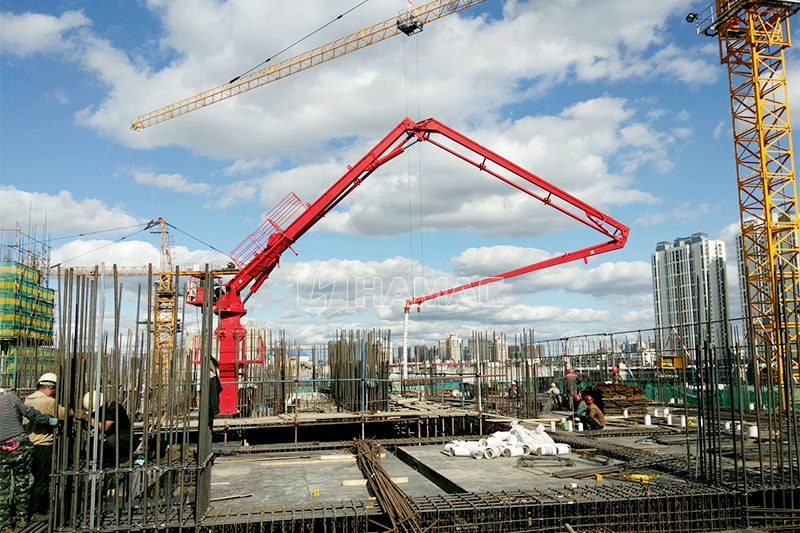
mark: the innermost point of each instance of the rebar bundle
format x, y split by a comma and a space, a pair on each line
404, 516
125, 459
360, 370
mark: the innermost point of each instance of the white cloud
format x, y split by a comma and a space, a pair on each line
540, 84
172, 182
31, 33
60, 212
682, 212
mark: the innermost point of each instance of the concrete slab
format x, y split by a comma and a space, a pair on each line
465, 474
239, 483
252, 481
243, 482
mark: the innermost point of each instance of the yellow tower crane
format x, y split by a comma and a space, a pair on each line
753, 35
165, 321
164, 296
407, 22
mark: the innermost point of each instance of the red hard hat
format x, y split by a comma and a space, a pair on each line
588, 398
577, 397
614, 369
570, 371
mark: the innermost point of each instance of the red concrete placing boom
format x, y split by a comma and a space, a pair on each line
260, 253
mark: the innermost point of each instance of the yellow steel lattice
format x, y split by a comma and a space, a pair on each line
752, 43
407, 23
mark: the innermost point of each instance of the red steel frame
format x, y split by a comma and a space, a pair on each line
229, 304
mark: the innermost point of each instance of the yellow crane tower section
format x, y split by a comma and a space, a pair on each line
753, 36
407, 22
164, 304
165, 321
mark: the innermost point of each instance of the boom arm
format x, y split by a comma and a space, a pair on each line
257, 268
263, 263
406, 23
549, 195
229, 305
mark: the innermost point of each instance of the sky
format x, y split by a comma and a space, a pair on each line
617, 102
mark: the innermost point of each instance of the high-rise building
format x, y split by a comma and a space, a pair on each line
689, 294
742, 276
488, 349
450, 349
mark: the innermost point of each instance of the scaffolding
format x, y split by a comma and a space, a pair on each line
26, 310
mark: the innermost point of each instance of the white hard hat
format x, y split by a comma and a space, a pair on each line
47, 379
92, 400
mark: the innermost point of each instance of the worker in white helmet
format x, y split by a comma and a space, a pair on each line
41, 436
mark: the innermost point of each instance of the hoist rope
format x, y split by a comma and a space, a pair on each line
141, 229
199, 240
419, 173
300, 40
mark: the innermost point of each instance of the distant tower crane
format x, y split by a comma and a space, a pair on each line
753, 35
165, 321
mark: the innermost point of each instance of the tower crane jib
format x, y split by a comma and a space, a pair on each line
407, 23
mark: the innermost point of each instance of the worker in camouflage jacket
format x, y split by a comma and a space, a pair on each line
15, 459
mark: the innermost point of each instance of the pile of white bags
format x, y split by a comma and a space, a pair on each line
513, 443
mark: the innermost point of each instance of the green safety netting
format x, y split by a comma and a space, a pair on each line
744, 397
26, 308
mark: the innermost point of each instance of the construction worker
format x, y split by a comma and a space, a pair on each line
594, 418
580, 406
513, 391
41, 436
615, 377
554, 394
113, 424
571, 384
15, 459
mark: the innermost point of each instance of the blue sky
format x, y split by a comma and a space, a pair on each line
618, 102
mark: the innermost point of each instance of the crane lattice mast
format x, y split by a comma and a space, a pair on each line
753, 36
165, 322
